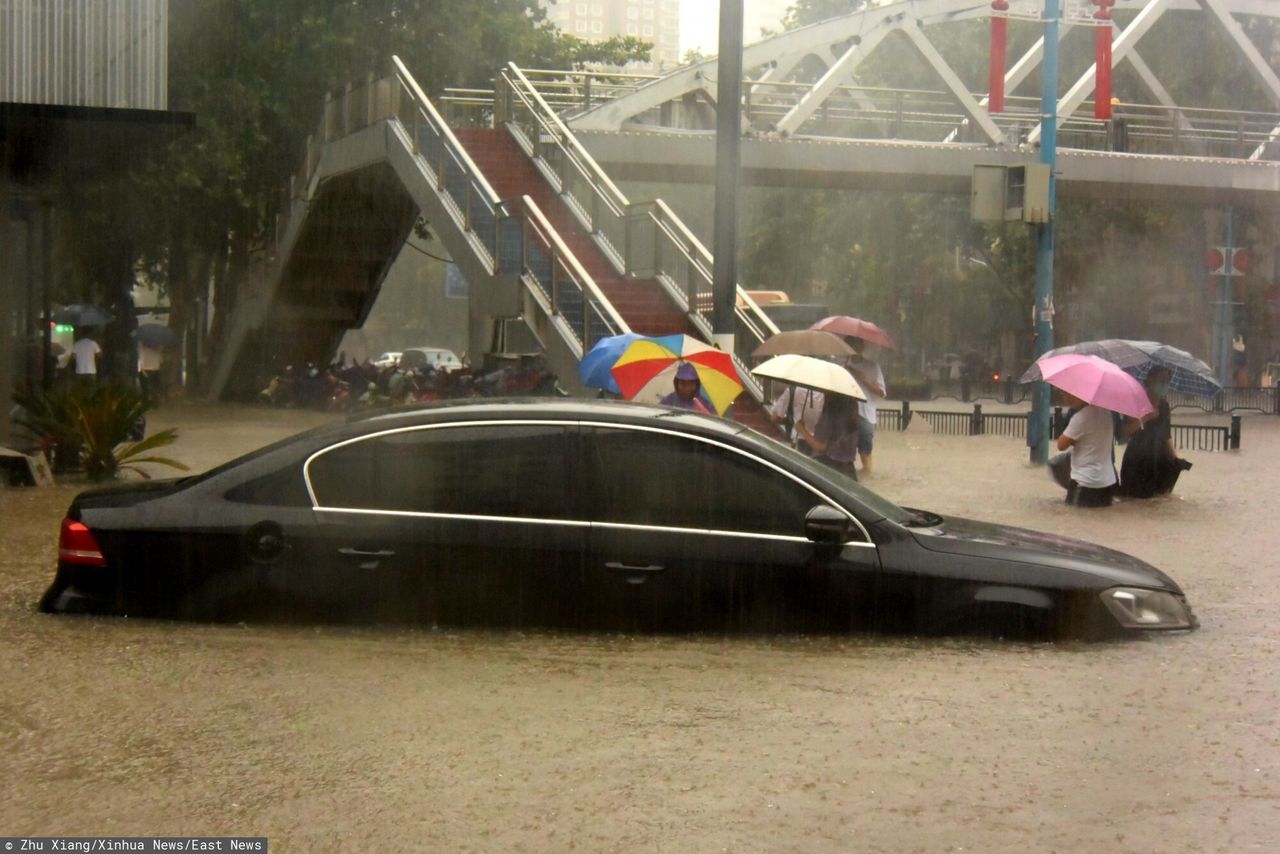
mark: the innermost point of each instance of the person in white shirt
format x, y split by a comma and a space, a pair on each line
871, 378
149, 362
85, 353
806, 408
1089, 435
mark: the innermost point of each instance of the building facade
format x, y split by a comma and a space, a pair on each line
85, 53
83, 92
653, 21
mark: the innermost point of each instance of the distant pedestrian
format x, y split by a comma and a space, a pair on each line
1089, 435
871, 378
150, 361
1239, 362
85, 354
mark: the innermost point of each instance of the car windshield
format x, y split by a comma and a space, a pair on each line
874, 502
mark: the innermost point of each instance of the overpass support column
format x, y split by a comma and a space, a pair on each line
728, 157
1042, 310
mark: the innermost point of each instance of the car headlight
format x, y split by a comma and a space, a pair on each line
1136, 608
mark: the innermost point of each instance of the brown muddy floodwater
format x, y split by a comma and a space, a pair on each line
341, 739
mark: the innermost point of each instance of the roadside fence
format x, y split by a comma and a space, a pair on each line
1008, 391
1192, 437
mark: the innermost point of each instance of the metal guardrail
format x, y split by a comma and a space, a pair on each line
641, 239
1230, 399
894, 419
475, 207
569, 291
875, 112
1194, 437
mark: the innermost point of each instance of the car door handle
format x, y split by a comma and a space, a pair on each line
350, 552
626, 567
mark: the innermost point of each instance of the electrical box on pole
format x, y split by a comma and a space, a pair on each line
1010, 193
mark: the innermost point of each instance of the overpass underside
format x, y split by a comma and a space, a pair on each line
689, 157
354, 229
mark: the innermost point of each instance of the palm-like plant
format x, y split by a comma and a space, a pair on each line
100, 422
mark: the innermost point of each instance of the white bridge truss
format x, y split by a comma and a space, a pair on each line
778, 105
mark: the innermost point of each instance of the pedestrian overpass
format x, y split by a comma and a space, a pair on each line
519, 184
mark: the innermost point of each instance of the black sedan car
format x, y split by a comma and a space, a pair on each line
577, 514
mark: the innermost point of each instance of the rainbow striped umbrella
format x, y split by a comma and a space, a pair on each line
646, 370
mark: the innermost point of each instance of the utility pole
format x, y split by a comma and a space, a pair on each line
1042, 310
728, 157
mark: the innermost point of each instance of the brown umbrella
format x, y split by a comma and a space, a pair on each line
803, 342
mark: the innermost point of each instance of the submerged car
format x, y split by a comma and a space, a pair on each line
583, 515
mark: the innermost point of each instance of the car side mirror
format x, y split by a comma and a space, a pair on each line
826, 524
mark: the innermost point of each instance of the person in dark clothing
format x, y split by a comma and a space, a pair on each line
1151, 466
834, 439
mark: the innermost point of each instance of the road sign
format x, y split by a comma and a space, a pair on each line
1216, 260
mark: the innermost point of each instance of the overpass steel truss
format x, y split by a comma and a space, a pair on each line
843, 44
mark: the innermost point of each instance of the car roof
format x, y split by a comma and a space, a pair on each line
554, 408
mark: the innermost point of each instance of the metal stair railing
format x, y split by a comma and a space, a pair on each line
476, 209
557, 279
562, 288
675, 256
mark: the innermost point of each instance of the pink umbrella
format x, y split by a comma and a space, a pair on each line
1096, 381
843, 324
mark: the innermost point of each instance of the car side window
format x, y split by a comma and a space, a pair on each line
648, 478
512, 470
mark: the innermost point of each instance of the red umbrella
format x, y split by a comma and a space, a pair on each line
843, 324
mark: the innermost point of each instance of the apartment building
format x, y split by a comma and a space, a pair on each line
654, 21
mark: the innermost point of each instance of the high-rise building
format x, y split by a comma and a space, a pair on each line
654, 21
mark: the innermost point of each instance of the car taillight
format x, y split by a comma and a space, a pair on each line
77, 545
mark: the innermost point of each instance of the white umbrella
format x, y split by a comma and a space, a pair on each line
811, 373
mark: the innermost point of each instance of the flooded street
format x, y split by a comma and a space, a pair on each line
329, 739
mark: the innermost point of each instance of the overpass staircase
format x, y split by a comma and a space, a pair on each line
536, 228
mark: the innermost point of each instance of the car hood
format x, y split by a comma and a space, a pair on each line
986, 540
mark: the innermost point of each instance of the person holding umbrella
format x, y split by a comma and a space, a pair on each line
685, 394
869, 375
1088, 437
1094, 386
836, 439
85, 354
1151, 466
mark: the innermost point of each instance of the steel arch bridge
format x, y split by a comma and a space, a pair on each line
786, 107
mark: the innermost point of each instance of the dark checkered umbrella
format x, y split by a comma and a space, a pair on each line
1189, 374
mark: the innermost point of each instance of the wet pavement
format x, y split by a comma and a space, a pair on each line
328, 739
